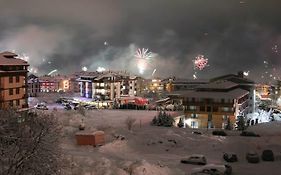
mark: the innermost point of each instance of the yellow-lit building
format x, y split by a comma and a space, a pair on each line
13, 81
214, 104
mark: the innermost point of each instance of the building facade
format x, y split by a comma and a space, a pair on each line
214, 105
109, 85
33, 86
13, 81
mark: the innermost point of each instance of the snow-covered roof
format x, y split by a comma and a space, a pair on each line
233, 94
219, 85
9, 59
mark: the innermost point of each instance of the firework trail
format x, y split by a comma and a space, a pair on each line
53, 71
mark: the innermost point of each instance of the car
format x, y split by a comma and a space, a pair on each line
90, 107
41, 106
230, 157
267, 155
219, 133
67, 107
195, 159
197, 132
252, 157
213, 169
249, 134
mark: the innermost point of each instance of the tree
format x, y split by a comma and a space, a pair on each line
241, 123
29, 144
228, 124
163, 119
180, 123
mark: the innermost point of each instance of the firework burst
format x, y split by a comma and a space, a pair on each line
143, 55
200, 62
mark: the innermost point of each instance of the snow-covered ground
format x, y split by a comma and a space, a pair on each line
151, 150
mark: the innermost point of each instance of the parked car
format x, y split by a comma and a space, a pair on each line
230, 157
267, 155
67, 107
195, 159
197, 132
213, 169
252, 157
219, 133
249, 134
41, 106
90, 107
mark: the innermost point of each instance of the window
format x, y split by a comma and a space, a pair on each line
17, 78
192, 108
17, 90
18, 102
225, 109
224, 117
11, 103
209, 108
11, 92
193, 100
194, 124
202, 108
10, 79
222, 100
215, 109
194, 115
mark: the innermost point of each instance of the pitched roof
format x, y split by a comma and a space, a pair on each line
219, 85
9, 58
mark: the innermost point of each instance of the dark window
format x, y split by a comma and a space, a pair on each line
215, 109
209, 108
11, 103
222, 100
202, 108
193, 100
10, 79
11, 92
17, 90
17, 79
18, 102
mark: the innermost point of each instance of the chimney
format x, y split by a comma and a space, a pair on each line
240, 74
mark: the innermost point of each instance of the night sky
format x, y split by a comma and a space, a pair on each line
69, 34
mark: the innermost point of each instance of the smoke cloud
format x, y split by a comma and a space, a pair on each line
67, 35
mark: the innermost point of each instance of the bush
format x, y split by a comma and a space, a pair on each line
163, 119
219, 133
249, 134
130, 122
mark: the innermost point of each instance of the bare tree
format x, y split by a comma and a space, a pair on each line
29, 144
130, 122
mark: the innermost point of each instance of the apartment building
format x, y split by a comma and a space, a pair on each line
213, 104
48, 84
109, 85
13, 81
